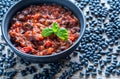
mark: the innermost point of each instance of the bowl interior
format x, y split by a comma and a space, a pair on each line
23, 4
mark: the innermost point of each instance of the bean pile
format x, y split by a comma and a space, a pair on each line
97, 53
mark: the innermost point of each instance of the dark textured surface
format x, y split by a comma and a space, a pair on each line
97, 56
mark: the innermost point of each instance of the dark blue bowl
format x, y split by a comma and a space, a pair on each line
48, 58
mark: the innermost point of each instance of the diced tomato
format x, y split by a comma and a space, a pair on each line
59, 20
37, 24
27, 49
22, 44
56, 13
18, 24
17, 30
36, 16
39, 37
28, 16
72, 38
34, 20
41, 47
46, 23
48, 43
50, 50
44, 16
44, 52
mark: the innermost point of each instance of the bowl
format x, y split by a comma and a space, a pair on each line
47, 58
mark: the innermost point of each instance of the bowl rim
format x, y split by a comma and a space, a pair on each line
36, 56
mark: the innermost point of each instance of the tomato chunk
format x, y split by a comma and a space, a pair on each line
36, 16
72, 38
27, 49
39, 37
18, 24
48, 43
50, 50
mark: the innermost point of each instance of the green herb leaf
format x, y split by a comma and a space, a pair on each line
62, 33
47, 32
55, 27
